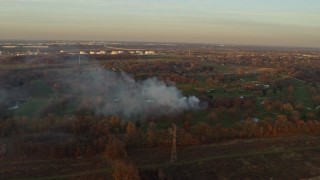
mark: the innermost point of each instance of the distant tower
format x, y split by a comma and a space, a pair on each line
173, 131
79, 61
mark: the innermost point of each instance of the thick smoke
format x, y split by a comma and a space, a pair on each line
111, 93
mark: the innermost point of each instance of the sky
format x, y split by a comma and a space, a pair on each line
246, 22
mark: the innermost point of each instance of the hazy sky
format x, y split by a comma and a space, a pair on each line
261, 22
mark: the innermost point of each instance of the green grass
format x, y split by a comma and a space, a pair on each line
188, 90
68, 109
22, 66
15, 66
222, 68
32, 107
297, 82
249, 78
302, 94
228, 120
40, 89
40, 96
220, 92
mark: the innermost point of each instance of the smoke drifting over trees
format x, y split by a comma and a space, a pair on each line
111, 93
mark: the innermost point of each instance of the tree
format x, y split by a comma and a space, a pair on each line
212, 116
295, 115
125, 171
299, 106
287, 107
115, 149
267, 106
131, 129
151, 133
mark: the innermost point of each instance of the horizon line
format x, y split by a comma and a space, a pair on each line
166, 42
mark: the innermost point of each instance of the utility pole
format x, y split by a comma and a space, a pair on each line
173, 131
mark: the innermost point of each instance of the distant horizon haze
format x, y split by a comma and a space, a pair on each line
289, 23
12, 41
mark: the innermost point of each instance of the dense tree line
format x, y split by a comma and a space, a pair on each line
89, 135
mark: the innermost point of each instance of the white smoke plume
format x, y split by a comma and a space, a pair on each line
111, 93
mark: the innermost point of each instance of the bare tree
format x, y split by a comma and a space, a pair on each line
151, 133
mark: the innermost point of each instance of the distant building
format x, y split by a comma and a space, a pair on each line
83, 52
101, 52
117, 52
139, 52
9, 46
36, 47
98, 52
149, 53
114, 52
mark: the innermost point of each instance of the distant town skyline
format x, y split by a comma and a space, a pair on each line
245, 22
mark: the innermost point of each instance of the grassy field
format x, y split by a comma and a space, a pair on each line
221, 92
301, 94
32, 107
248, 78
39, 88
41, 91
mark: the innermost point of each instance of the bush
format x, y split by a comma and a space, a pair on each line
115, 149
125, 171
